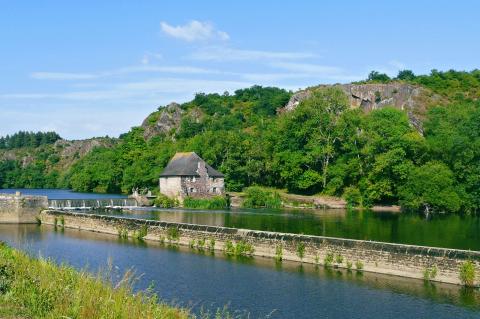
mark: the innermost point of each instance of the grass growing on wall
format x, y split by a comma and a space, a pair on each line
217, 202
38, 288
258, 197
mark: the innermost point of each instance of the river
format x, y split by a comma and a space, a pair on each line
256, 286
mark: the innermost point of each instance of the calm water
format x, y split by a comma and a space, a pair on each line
451, 231
256, 286
60, 193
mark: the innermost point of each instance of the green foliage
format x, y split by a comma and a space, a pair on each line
328, 259
430, 187
339, 259
164, 201
173, 234
321, 147
122, 232
256, 197
217, 202
200, 243
349, 265
300, 250
359, 265
241, 248
279, 253
430, 273
140, 234
375, 76
30, 287
467, 273
211, 244
28, 139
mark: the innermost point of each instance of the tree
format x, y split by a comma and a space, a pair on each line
375, 76
430, 188
406, 75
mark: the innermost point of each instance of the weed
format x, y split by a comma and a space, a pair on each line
122, 233
467, 273
173, 234
359, 265
349, 265
279, 253
339, 259
211, 244
191, 243
430, 273
328, 260
141, 233
301, 250
201, 244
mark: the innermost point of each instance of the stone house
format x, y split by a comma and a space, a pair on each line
187, 174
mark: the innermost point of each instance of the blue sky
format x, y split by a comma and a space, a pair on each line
93, 68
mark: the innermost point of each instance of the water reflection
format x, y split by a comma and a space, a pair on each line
257, 285
451, 231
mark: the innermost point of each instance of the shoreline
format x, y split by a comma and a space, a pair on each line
356, 255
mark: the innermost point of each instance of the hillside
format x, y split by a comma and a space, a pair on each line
412, 140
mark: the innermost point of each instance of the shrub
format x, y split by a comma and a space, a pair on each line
279, 253
300, 250
467, 273
122, 232
217, 202
359, 265
173, 234
353, 197
430, 273
339, 259
62, 221
141, 233
256, 197
349, 265
164, 201
211, 244
328, 260
191, 243
229, 248
201, 243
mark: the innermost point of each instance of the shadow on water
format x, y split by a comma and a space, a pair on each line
203, 279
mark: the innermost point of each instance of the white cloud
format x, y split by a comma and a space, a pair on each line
147, 68
62, 76
229, 54
194, 31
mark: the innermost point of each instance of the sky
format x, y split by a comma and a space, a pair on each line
97, 68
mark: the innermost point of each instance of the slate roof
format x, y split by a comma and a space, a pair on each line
186, 164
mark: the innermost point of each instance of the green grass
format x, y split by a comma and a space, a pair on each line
256, 196
38, 288
217, 202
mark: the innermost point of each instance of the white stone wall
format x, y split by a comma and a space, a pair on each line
171, 186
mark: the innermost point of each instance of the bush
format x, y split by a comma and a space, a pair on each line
430, 273
279, 252
217, 202
165, 202
328, 260
173, 234
359, 265
300, 250
141, 233
353, 196
258, 197
467, 273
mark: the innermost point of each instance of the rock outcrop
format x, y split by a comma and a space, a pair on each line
374, 96
163, 121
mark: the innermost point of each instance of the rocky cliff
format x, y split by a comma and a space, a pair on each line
162, 121
412, 99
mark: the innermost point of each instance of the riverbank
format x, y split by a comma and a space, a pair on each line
38, 288
419, 262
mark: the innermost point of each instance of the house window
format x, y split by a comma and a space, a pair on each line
214, 190
192, 190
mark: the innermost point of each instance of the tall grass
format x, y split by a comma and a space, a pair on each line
257, 197
38, 288
217, 202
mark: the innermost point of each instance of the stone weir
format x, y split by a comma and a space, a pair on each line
20, 209
359, 255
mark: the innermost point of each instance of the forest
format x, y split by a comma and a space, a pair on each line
322, 147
